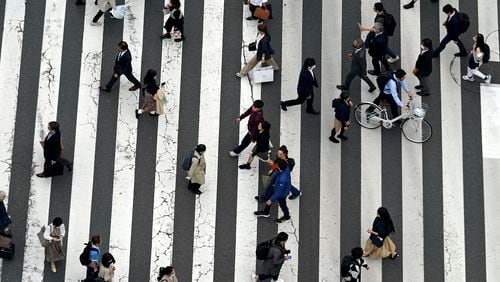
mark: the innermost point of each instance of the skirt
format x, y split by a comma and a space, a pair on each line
149, 104
54, 252
386, 250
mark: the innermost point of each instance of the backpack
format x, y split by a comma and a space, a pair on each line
188, 159
335, 102
389, 24
85, 255
486, 52
263, 249
345, 266
464, 22
383, 79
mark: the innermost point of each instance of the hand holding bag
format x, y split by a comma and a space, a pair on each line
119, 12
377, 240
252, 46
263, 74
44, 242
262, 13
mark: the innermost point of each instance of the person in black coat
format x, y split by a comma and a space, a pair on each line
175, 21
307, 80
123, 65
423, 67
377, 45
358, 67
5, 220
264, 52
52, 149
452, 25
342, 113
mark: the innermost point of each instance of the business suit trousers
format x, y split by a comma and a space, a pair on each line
424, 82
376, 61
283, 206
253, 62
351, 75
244, 143
388, 98
447, 40
128, 75
301, 100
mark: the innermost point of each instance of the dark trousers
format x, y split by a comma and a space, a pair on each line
99, 15
299, 101
376, 64
283, 206
424, 82
128, 75
194, 186
351, 75
269, 191
390, 100
389, 52
244, 143
170, 23
60, 160
263, 277
91, 275
447, 40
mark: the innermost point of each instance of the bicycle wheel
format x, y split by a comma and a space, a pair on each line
364, 114
417, 130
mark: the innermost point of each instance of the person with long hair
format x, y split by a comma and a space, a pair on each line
379, 244
476, 60
264, 52
149, 90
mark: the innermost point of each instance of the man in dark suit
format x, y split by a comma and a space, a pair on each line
358, 67
423, 67
52, 149
452, 25
123, 65
307, 80
377, 45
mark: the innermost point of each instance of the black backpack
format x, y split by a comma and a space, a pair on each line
85, 255
464, 22
263, 249
188, 159
389, 24
345, 266
383, 79
486, 52
335, 102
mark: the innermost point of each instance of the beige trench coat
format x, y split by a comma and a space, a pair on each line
105, 5
198, 169
159, 98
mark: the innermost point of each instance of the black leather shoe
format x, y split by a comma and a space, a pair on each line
105, 89
341, 87
419, 87
372, 72
40, 175
460, 54
80, 2
372, 89
283, 107
342, 137
333, 139
313, 112
421, 93
409, 5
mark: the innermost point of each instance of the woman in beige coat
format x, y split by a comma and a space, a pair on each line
196, 174
104, 5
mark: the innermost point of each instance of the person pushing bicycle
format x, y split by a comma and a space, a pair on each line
388, 85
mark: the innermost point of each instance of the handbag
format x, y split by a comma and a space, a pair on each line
252, 46
265, 180
377, 240
119, 12
44, 242
263, 74
261, 13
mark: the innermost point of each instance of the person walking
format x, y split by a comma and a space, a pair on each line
252, 6
452, 25
149, 90
123, 65
94, 257
5, 219
255, 117
379, 244
276, 256
342, 113
198, 169
351, 265
104, 6
390, 91
174, 26
423, 67
264, 52
377, 44
167, 274
52, 150
411, 4
54, 234
261, 147
107, 269
307, 80
358, 66
282, 188
477, 57
273, 173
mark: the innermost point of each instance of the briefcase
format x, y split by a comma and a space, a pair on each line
262, 13
7, 247
54, 169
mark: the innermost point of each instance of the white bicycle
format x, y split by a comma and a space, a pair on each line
414, 127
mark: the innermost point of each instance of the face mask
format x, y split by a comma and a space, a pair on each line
422, 47
354, 46
313, 67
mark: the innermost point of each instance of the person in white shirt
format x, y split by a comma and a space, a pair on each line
476, 60
390, 92
54, 234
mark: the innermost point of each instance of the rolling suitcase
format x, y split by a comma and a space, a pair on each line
7, 246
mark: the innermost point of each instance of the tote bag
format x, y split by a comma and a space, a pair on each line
263, 74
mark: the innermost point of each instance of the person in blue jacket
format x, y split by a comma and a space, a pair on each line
282, 188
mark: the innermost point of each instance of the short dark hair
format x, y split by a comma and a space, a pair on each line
265, 125
258, 104
379, 7
309, 62
57, 221
282, 236
344, 95
200, 148
281, 164
357, 252
54, 125
400, 73
123, 45
96, 239
427, 43
284, 149
448, 8
165, 271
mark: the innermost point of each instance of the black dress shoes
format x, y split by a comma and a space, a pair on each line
313, 112
409, 5
372, 72
460, 54
283, 106
372, 89
105, 89
80, 2
341, 87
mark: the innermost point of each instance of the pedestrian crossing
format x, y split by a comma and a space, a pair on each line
127, 185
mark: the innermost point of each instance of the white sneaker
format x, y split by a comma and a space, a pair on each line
487, 80
239, 75
393, 60
255, 277
468, 78
92, 23
233, 154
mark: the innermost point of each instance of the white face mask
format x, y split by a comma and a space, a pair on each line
312, 67
422, 47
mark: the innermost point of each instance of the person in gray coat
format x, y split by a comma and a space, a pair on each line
358, 66
275, 259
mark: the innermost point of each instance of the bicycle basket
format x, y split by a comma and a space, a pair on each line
419, 110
